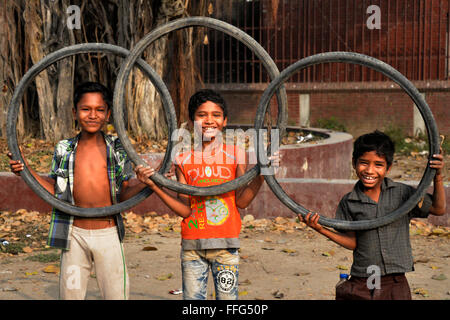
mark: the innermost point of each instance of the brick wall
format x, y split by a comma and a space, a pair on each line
359, 110
412, 36
362, 112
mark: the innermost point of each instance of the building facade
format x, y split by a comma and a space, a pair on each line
410, 35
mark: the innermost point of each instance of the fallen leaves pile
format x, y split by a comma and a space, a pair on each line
427, 229
23, 231
38, 154
151, 222
26, 231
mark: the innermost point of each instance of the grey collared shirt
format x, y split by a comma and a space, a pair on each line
387, 247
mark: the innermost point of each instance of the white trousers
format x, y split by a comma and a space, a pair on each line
101, 248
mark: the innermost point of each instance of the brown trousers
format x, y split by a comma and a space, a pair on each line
392, 287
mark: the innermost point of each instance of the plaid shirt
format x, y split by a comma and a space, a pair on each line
387, 247
119, 170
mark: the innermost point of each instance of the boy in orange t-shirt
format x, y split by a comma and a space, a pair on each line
211, 225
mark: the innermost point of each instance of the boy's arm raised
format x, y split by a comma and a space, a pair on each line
184, 198
347, 239
180, 208
128, 191
17, 166
246, 194
438, 205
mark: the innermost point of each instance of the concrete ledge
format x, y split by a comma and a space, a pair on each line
326, 158
319, 195
330, 157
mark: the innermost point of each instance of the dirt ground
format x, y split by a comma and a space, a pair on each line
280, 259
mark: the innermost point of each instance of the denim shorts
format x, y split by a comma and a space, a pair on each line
224, 265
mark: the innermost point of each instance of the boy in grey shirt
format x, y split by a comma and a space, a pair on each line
387, 248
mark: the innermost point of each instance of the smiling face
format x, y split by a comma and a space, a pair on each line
371, 170
92, 112
209, 118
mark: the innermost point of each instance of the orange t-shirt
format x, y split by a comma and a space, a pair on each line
212, 216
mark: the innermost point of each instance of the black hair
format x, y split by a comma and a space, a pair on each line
200, 97
87, 87
376, 141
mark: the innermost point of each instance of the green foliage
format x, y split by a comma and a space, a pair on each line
13, 248
4, 163
45, 257
397, 135
331, 123
405, 144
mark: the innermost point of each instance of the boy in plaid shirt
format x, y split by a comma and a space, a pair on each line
89, 170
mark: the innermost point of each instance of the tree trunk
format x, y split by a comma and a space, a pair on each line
184, 79
145, 114
5, 70
10, 61
185, 74
36, 42
31, 29
64, 89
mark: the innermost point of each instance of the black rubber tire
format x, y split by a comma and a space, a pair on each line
14, 110
136, 53
405, 84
